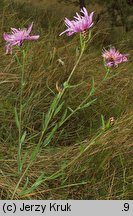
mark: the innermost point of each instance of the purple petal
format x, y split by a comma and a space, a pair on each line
29, 29
14, 30
68, 31
110, 64
79, 24
91, 16
35, 37
84, 11
7, 37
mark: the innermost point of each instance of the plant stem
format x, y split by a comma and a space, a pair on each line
42, 134
107, 73
75, 66
67, 83
21, 112
27, 168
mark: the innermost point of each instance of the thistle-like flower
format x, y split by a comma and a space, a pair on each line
113, 57
17, 37
79, 24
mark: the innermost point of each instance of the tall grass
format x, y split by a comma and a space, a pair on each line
68, 148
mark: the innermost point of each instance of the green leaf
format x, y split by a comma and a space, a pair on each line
51, 111
58, 108
88, 104
47, 118
54, 103
19, 163
34, 153
17, 59
108, 124
39, 181
50, 136
25, 186
24, 159
24, 53
55, 175
92, 86
81, 148
103, 122
63, 118
16, 118
23, 137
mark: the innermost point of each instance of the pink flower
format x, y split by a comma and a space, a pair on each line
17, 37
113, 57
80, 24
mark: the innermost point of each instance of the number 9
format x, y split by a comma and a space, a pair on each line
126, 206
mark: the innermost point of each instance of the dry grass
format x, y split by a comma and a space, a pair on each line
102, 171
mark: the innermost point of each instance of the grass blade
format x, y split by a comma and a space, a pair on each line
89, 103
17, 118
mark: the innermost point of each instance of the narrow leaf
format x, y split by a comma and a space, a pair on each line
88, 104
47, 118
81, 148
50, 136
23, 137
25, 186
108, 124
16, 118
51, 111
34, 186
54, 103
34, 153
92, 87
38, 181
58, 108
103, 122
63, 117
24, 159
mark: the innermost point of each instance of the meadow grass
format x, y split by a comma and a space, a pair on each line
85, 157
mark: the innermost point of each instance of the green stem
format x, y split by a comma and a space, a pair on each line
66, 84
75, 66
20, 113
107, 73
62, 93
42, 134
27, 168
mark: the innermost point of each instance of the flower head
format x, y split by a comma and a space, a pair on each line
113, 57
79, 24
17, 37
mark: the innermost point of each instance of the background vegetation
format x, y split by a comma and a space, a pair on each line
84, 160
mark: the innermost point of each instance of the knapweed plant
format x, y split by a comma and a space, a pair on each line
83, 26
17, 37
